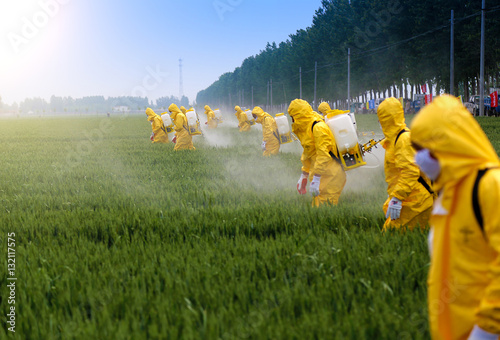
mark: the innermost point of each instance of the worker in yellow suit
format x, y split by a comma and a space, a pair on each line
410, 193
211, 120
270, 138
324, 108
464, 239
159, 134
320, 158
243, 122
183, 139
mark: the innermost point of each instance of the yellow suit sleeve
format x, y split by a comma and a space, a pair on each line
268, 132
179, 123
325, 143
306, 162
488, 314
157, 124
409, 171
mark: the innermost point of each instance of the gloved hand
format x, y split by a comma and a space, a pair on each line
174, 139
302, 184
314, 186
152, 137
480, 334
263, 146
394, 208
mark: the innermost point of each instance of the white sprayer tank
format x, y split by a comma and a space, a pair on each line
283, 128
167, 122
218, 115
193, 124
344, 132
351, 115
250, 117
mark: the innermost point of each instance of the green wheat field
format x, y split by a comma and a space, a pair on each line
118, 238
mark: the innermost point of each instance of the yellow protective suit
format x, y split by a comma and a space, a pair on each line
211, 120
464, 277
184, 140
401, 172
160, 134
183, 109
324, 108
243, 123
317, 143
269, 131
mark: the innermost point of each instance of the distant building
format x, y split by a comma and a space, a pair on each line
121, 109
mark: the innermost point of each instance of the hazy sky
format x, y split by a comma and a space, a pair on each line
109, 47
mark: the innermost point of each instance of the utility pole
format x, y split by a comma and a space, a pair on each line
252, 98
300, 82
267, 103
315, 78
452, 55
271, 84
349, 79
181, 90
481, 68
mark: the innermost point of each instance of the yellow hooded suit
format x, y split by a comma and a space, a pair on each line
464, 277
269, 131
159, 132
243, 123
184, 139
211, 121
317, 143
403, 177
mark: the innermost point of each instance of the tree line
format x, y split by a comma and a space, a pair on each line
395, 46
89, 104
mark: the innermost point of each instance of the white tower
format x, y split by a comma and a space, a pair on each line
181, 91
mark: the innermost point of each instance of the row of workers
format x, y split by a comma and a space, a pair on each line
183, 136
445, 145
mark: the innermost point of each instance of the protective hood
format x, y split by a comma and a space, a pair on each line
323, 108
207, 109
238, 109
183, 109
302, 115
391, 117
174, 110
151, 114
260, 114
447, 129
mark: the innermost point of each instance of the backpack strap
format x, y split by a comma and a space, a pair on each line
475, 201
399, 134
422, 181
274, 132
335, 158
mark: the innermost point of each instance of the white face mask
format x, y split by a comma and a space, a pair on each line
428, 164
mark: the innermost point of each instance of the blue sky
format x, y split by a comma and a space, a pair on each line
96, 47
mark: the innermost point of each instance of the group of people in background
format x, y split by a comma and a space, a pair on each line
444, 173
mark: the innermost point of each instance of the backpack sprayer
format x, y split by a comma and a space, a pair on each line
284, 133
193, 122
167, 122
350, 151
250, 119
218, 116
